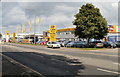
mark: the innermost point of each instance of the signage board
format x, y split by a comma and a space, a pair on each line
112, 28
52, 32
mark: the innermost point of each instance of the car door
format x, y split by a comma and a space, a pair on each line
48, 44
106, 44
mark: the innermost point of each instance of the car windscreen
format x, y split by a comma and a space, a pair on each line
54, 42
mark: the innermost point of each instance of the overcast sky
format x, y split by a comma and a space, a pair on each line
52, 13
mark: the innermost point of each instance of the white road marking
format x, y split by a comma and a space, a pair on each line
117, 63
114, 72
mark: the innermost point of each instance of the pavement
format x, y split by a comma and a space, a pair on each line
63, 61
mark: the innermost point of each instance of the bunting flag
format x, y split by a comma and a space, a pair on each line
18, 29
39, 21
30, 24
23, 28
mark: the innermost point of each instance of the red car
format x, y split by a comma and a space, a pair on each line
43, 43
3, 40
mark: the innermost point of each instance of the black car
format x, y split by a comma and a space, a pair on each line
95, 44
109, 45
117, 43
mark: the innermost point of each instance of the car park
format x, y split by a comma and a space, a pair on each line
53, 45
109, 45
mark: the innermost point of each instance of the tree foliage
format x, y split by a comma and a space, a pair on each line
90, 23
0, 35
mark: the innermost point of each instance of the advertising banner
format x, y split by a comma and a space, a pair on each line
52, 32
14, 37
112, 28
7, 33
112, 38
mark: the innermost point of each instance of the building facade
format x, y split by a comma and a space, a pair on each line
67, 34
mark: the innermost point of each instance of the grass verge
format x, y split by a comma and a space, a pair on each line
88, 48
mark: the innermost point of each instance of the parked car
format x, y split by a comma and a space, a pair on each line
61, 43
72, 44
38, 42
3, 40
77, 44
44, 42
109, 44
19, 40
65, 43
80, 44
117, 43
53, 45
95, 44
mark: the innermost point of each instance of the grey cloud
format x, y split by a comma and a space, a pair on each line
48, 10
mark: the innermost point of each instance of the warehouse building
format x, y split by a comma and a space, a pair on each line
67, 34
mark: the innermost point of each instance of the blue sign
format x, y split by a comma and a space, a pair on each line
112, 38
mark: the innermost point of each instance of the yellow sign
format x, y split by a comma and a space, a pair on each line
7, 33
52, 32
66, 29
14, 37
25, 41
114, 28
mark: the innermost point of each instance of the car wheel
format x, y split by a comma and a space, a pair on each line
52, 47
83, 46
94, 46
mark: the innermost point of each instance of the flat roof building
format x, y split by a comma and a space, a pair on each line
67, 34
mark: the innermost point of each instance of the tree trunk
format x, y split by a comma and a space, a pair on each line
88, 41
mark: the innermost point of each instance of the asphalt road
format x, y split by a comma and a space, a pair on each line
64, 61
11, 68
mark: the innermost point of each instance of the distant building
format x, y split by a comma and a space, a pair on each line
62, 34
67, 34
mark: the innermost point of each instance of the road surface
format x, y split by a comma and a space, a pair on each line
64, 61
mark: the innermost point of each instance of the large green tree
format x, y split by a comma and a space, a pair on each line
90, 23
